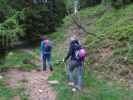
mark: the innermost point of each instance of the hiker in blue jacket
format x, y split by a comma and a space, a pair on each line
74, 63
46, 50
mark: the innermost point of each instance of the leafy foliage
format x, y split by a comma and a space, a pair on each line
40, 19
9, 32
22, 19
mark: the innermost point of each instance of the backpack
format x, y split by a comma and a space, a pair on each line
80, 53
47, 46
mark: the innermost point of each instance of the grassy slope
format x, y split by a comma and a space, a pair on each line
107, 28
114, 35
15, 59
113, 30
7, 93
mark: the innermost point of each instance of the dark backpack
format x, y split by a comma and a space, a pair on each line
80, 53
76, 49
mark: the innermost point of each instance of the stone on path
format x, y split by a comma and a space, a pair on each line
40, 90
53, 82
1, 77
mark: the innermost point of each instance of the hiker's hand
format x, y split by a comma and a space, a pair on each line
64, 60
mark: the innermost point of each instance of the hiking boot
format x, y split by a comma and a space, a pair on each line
78, 87
74, 89
51, 69
44, 69
71, 84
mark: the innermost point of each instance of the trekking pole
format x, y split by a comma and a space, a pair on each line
65, 66
58, 62
61, 62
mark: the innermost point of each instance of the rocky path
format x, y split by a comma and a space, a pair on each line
35, 82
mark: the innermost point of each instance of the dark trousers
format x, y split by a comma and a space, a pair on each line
47, 58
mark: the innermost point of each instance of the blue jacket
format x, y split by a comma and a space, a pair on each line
44, 49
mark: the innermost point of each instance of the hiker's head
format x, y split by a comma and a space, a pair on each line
72, 38
76, 32
44, 38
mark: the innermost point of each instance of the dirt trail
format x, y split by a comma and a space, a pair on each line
36, 83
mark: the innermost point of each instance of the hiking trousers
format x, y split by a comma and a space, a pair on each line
47, 58
78, 67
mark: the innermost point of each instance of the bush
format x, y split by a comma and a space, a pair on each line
10, 32
120, 3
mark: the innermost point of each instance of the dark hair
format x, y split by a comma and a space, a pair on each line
76, 44
44, 37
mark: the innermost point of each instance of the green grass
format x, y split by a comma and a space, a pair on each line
115, 26
113, 30
94, 89
15, 59
7, 93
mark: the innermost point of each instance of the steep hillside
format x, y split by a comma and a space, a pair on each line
109, 40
